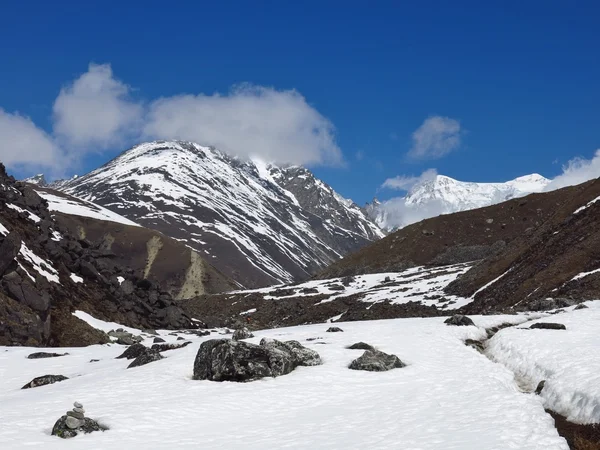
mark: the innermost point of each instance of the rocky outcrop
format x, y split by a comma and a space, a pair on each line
376, 361
547, 326
227, 360
241, 333
458, 320
46, 273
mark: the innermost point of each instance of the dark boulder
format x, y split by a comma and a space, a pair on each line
158, 340
9, 249
334, 330
149, 355
459, 320
376, 361
361, 346
165, 347
581, 306
133, 351
61, 429
44, 380
547, 326
540, 387
228, 360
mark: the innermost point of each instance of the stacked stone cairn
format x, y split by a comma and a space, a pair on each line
76, 418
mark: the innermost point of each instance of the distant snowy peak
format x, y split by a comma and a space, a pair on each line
445, 195
38, 180
258, 223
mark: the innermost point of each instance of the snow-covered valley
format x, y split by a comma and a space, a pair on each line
449, 396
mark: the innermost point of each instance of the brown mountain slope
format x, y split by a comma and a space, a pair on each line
542, 264
454, 238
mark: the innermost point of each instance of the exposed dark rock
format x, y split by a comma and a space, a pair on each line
581, 306
133, 351
477, 345
376, 361
166, 347
158, 340
241, 333
150, 355
228, 360
548, 326
44, 380
361, 346
540, 387
39, 355
61, 429
334, 330
459, 320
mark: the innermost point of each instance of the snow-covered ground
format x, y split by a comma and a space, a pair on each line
448, 397
79, 207
568, 360
417, 284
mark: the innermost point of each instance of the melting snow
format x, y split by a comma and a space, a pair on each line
76, 278
584, 207
42, 266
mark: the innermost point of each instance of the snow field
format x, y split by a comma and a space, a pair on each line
569, 361
448, 397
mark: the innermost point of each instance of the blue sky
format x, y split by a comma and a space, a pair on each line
520, 78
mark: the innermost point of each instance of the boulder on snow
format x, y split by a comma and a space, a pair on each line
361, 346
166, 346
376, 361
458, 320
133, 351
229, 360
158, 340
334, 330
44, 380
242, 333
39, 355
149, 355
581, 306
547, 326
62, 430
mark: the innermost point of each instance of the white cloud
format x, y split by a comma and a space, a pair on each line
396, 213
406, 183
577, 171
24, 145
95, 111
277, 126
436, 137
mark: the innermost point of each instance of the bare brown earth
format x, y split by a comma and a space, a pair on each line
579, 437
455, 238
540, 265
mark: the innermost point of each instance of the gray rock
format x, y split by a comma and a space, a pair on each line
334, 330
44, 380
77, 405
39, 355
73, 423
581, 306
229, 360
540, 387
87, 425
76, 414
459, 320
361, 346
147, 357
79, 410
158, 340
477, 345
376, 361
165, 347
547, 326
242, 333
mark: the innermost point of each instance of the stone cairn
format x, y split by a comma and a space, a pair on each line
76, 418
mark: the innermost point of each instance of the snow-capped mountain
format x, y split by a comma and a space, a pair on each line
258, 223
445, 195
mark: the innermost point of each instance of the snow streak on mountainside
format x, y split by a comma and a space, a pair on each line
445, 195
257, 223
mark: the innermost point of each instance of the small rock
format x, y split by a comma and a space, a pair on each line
133, 352
179, 338
94, 360
547, 326
242, 333
361, 346
458, 320
158, 340
76, 414
334, 330
581, 306
39, 355
77, 405
164, 347
540, 387
44, 380
477, 345
376, 361
73, 422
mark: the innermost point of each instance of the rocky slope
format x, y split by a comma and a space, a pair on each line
445, 195
556, 264
257, 223
46, 273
